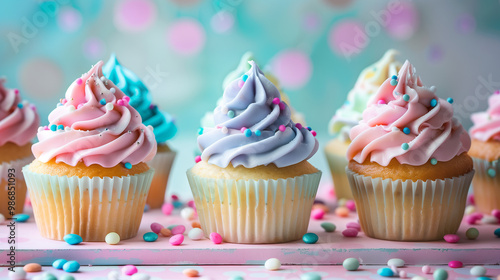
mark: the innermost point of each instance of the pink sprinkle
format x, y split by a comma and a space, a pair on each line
180, 229
79, 106
79, 81
191, 204
496, 213
350, 232
64, 101
470, 199
478, 216
313, 133
16, 91
354, 225
471, 219
129, 270
156, 227
350, 205
176, 240
167, 208
451, 238
216, 238
126, 98
298, 125
455, 264
197, 159
381, 101
282, 106
151, 106
402, 274
241, 83
317, 213
33, 107
119, 102
243, 129
426, 269
276, 101
45, 128
174, 197
394, 269
282, 128
497, 92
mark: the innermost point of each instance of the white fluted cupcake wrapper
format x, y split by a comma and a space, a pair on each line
486, 185
15, 181
255, 211
89, 207
409, 210
162, 164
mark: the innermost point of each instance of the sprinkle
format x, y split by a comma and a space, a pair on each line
45, 128
197, 159
241, 83
450, 100
200, 131
381, 101
406, 130
433, 103
224, 109
276, 101
71, 108
394, 77
53, 127
406, 97
244, 77
20, 105
33, 107
151, 106
282, 106
230, 114
434, 161
80, 106
243, 129
224, 130
394, 82
126, 98
405, 146
309, 128
103, 101
16, 91
79, 81
129, 269
128, 165
397, 93
103, 78
313, 133
67, 128
298, 126
64, 101
497, 91
248, 132
119, 102
60, 127
258, 132
109, 106
491, 172
282, 128
112, 90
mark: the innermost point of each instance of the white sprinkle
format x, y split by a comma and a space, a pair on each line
394, 128
103, 78
224, 109
40, 128
224, 130
113, 90
71, 108
109, 106
67, 128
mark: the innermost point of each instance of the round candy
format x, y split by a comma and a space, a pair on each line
322, 207
385, 271
17, 274
73, 239
440, 274
140, 276
353, 225
190, 272
129, 270
418, 278
216, 238
113, 275
177, 204
451, 238
71, 266
310, 276
166, 232
156, 227
396, 262
350, 232
67, 277
195, 225
310, 238
236, 278
497, 232
328, 227
426, 269
470, 209
455, 264
317, 214
489, 220
167, 208
495, 213
21, 218
48, 276
32, 267
478, 271
472, 233
112, 238
342, 211
195, 234
402, 274
180, 229
176, 239
351, 264
351, 205
58, 264
188, 213
150, 237
272, 264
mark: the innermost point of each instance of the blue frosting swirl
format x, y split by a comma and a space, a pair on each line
248, 123
140, 99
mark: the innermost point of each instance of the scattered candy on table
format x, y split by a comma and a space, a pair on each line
396, 262
140, 276
317, 213
195, 225
310, 238
150, 237
351, 205
17, 274
440, 274
67, 277
179, 229
21, 218
272, 264
350, 232
195, 234
176, 240
73, 239
385, 271
328, 227
156, 227
166, 232
216, 238
351, 264
497, 232
451, 238
188, 213
472, 233
112, 238
426, 269
190, 272
71, 266
59, 263
113, 275
478, 271
342, 211
455, 264
353, 225
32, 267
310, 276
129, 270
167, 208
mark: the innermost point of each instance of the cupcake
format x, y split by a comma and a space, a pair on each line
409, 170
89, 176
485, 152
252, 183
350, 114
163, 124
19, 122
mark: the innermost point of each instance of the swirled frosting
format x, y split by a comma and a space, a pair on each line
365, 88
140, 99
407, 122
95, 124
487, 124
18, 119
253, 127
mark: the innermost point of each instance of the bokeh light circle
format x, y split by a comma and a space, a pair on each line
134, 15
186, 36
435, 53
93, 48
293, 68
41, 78
338, 3
403, 23
312, 22
222, 21
69, 19
466, 23
348, 37
185, 3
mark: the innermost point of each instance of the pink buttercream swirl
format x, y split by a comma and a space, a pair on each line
409, 123
487, 124
96, 125
18, 119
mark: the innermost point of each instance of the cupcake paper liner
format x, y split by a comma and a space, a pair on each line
161, 163
89, 207
255, 211
409, 210
337, 166
486, 188
20, 186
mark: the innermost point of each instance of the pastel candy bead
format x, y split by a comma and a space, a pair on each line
195, 234
58, 264
140, 276
237, 278
188, 213
21, 218
216, 238
310, 276
317, 213
167, 208
440, 274
310, 238
113, 275
402, 274
351, 264
396, 262
166, 232
328, 227
350, 232
342, 211
67, 277
47, 276
489, 220
180, 229
455, 264
470, 209
351, 205
495, 213
497, 232
418, 278
32, 267
478, 271
385, 272
73, 239
17, 274
195, 225
472, 233
353, 225
451, 238
190, 272
129, 270
71, 266
150, 237
112, 238
176, 240
156, 227
426, 269
272, 264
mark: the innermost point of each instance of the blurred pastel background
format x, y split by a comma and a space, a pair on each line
182, 49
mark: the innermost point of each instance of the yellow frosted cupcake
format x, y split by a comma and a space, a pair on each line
252, 183
89, 176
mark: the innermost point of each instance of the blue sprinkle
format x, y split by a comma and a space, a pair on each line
60, 127
406, 97
103, 101
483, 278
257, 132
406, 130
450, 100
177, 204
309, 128
248, 132
20, 105
434, 103
230, 114
244, 77
53, 127
497, 232
200, 131
394, 82
21, 218
59, 104
405, 146
492, 172
128, 165
385, 271
394, 77
434, 161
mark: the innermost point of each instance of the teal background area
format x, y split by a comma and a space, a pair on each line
454, 45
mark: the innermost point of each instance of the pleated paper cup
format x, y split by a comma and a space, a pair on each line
409, 210
12, 187
162, 164
89, 207
255, 211
337, 164
486, 185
